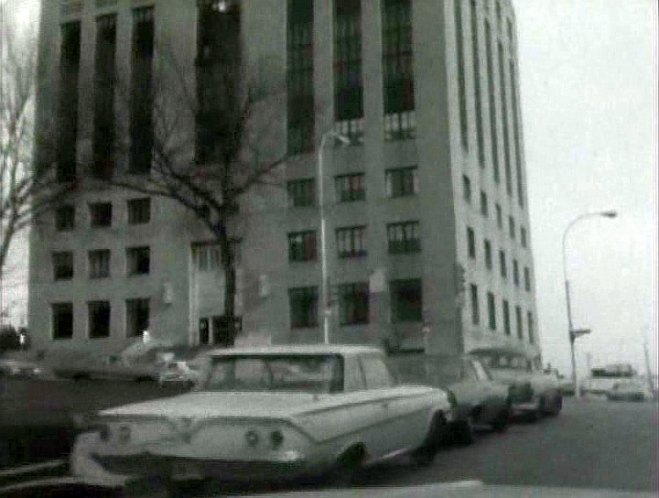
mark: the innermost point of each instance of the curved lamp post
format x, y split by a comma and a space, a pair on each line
324, 297
571, 332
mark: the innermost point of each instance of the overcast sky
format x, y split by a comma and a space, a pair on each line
589, 102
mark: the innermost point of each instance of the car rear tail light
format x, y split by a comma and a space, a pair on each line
276, 439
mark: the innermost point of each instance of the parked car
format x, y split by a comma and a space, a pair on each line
269, 413
20, 368
180, 372
481, 401
629, 390
532, 392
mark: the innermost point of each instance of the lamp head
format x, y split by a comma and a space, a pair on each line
609, 214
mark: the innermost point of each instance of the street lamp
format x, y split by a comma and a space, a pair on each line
323, 230
571, 332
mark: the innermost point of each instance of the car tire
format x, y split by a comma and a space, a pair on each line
502, 421
345, 469
463, 431
424, 455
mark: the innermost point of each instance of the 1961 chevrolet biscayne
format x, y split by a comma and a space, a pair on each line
269, 413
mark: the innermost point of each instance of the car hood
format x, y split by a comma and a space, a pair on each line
208, 404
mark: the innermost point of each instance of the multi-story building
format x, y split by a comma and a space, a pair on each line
428, 237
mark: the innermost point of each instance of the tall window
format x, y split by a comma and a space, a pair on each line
527, 279
104, 92
502, 265
62, 265
520, 324
506, 317
488, 254
475, 309
494, 134
516, 135
499, 216
353, 303
400, 182
138, 260
475, 56
515, 272
511, 227
491, 312
348, 83
139, 211
351, 242
301, 115
504, 115
303, 302
302, 246
301, 193
406, 301
68, 101
100, 214
466, 188
403, 237
62, 320
462, 84
399, 116
523, 236
65, 218
484, 206
350, 187
218, 61
99, 263
98, 319
471, 243
137, 316
530, 326
141, 98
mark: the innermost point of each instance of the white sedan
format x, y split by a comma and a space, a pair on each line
269, 413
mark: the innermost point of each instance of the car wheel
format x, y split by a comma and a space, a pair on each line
346, 468
502, 421
463, 431
424, 455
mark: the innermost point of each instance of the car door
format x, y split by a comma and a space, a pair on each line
493, 395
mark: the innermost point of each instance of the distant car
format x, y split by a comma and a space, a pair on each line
20, 369
565, 385
481, 401
180, 372
269, 413
629, 390
532, 392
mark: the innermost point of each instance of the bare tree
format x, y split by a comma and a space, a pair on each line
27, 189
206, 142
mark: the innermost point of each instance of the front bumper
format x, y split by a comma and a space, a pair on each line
524, 408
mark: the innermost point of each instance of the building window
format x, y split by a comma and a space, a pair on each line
527, 279
494, 134
302, 246
301, 193
207, 257
348, 83
65, 218
406, 301
100, 214
351, 242
511, 227
488, 254
218, 59
68, 101
499, 216
403, 237
462, 84
353, 303
62, 316
104, 94
99, 263
139, 260
529, 319
471, 243
401, 182
98, 319
62, 265
504, 115
506, 317
491, 312
301, 115
398, 78
522, 235
520, 324
502, 265
476, 61
137, 317
516, 135
466, 188
141, 98
515, 273
303, 307
350, 187
475, 309
484, 206
139, 211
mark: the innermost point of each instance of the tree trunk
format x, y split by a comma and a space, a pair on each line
229, 267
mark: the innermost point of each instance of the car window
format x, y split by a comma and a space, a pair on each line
376, 373
481, 372
468, 372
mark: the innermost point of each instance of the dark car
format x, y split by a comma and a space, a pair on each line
480, 400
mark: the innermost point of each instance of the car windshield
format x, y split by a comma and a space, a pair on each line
303, 373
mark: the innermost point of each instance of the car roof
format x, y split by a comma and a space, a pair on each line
500, 350
340, 349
